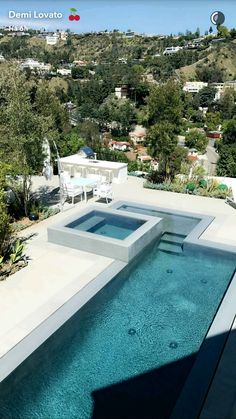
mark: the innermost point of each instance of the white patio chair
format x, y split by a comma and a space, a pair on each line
104, 191
68, 189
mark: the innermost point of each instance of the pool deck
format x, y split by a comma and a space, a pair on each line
56, 273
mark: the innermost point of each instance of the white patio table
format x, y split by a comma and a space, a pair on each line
83, 182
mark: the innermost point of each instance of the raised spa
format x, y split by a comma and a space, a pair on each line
105, 224
112, 233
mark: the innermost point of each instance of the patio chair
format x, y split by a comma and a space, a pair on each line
68, 189
104, 191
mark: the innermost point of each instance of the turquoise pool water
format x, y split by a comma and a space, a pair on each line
132, 345
171, 222
108, 225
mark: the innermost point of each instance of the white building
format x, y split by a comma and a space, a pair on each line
194, 86
138, 135
1, 58
35, 65
172, 50
63, 35
121, 92
119, 145
52, 39
64, 71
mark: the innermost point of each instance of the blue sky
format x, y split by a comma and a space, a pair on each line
144, 16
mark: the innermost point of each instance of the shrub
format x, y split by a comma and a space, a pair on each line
223, 187
156, 177
190, 186
5, 228
181, 187
202, 183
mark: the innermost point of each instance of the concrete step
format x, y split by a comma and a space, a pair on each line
174, 248
173, 238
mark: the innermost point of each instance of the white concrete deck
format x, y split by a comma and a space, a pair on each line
55, 273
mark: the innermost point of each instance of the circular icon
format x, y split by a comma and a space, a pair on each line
217, 18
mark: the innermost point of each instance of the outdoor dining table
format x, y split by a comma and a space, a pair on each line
84, 182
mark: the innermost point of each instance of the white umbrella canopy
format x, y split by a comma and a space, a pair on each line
47, 168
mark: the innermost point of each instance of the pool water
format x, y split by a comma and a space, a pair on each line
130, 347
108, 225
171, 222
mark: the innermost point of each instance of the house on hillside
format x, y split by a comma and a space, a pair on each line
121, 92
172, 50
198, 159
52, 39
138, 135
64, 71
119, 145
194, 86
80, 63
216, 135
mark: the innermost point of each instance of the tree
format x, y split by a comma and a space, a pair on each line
210, 73
197, 140
227, 105
213, 120
163, 142
229, 133
89, 132
178, 157
226, 165
233, 33
205, 97
210, 30
165, 104
70, 144
223, 32
22, 129
79, 73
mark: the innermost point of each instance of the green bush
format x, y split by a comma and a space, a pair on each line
5, 228
190, 186
180, 187
223, 187
202, 183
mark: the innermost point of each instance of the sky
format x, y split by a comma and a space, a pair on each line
142, 16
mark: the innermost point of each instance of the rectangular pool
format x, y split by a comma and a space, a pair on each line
106, 224
128, 351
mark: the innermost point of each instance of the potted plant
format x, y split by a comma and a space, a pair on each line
34, 211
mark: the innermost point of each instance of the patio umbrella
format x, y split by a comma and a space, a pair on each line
47, 168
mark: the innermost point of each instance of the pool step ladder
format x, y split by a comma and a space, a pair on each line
172, 243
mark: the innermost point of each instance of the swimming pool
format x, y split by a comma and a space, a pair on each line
172, 222
129, 350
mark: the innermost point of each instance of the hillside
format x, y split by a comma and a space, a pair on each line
220, 55
115, 48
